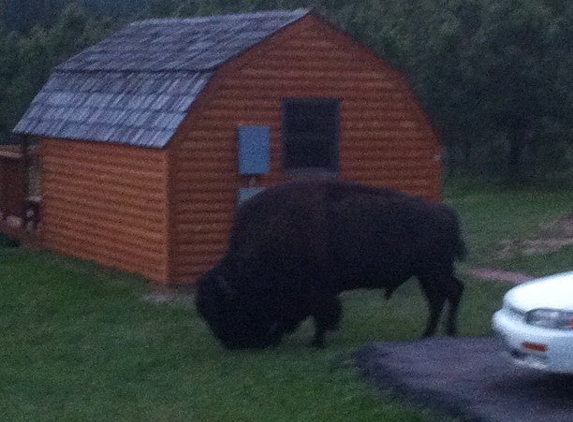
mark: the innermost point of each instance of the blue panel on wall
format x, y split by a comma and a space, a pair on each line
246, 193
254, 149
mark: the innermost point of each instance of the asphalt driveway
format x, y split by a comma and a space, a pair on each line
467, 378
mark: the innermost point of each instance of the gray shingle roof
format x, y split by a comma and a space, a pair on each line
136, 86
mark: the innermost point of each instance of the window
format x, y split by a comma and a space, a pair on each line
310, 135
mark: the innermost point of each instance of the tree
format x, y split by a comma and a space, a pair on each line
494, 75
26, 62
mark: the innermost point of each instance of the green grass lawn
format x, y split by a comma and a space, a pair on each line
84, 343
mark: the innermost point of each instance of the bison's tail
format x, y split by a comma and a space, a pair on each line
460, 249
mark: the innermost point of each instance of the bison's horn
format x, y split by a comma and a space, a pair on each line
225, 287
274, 328
274, 335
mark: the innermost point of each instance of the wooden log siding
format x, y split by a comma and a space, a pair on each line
108, 203
385, 138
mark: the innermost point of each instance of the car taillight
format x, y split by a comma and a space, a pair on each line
536, 347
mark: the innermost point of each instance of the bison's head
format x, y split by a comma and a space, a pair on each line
236, 318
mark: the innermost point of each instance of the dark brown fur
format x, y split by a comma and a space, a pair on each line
295, 247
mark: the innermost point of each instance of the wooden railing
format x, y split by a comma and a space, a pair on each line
18, 211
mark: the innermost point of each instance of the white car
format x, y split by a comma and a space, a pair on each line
536, 323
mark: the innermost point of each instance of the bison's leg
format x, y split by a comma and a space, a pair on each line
438, 289
436, 301
327, 312
455, 291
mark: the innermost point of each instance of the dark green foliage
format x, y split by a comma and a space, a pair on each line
494, 75
26, 61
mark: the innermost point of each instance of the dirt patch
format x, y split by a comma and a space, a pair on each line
500, 275
549, 237
171, 295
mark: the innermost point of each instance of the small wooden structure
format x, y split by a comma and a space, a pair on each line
151, 138
19, 212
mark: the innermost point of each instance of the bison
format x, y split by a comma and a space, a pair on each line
295, 247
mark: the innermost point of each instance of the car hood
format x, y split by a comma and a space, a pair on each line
555, 292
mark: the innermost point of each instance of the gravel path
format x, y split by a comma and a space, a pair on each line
467, 378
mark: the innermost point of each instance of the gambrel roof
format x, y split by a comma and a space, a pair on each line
137, 86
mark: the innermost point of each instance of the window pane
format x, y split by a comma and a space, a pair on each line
310, 129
